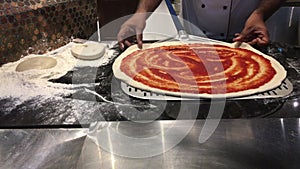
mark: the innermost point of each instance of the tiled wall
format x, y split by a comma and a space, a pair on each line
37, 26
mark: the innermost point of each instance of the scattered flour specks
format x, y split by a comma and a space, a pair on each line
32, 83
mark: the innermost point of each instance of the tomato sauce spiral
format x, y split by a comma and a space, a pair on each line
198, 68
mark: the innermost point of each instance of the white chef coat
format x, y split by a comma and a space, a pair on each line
217, 19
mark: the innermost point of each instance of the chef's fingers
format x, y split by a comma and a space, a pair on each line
253, 41
237, 34
241, 37
139, 35
123, 43
121, 39
120, 42
125, 36
263, 37
139, 40
237, 37
127, 43
257, 37
262, 41
259, 41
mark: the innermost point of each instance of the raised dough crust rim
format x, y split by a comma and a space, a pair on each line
275, 82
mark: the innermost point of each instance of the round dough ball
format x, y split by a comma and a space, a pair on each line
88, 50
39, 63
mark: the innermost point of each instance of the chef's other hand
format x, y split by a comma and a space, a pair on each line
131, 31
255, 31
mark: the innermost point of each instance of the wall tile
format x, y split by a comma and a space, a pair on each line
37, 26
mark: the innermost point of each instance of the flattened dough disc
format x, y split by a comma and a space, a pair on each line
88, 50
39, 63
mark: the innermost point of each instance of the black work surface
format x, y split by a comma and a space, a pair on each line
83, 108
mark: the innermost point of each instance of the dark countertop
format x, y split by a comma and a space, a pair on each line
292, 3
83, 108
235, 144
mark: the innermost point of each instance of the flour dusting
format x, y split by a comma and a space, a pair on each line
35, 83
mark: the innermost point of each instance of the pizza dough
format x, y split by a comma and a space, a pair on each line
88, 51
38, 63
199, 70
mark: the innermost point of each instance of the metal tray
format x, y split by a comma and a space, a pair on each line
283, 90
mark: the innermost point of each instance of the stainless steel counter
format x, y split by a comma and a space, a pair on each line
236, 144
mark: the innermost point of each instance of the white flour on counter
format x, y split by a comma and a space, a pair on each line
32, 83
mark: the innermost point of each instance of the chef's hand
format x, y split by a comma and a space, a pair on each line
131, 31
254, 32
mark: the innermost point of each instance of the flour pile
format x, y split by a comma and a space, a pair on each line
35, 83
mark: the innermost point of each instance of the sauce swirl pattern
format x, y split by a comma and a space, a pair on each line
198, 68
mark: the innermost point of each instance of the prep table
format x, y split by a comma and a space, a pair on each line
63, 133
82, 107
